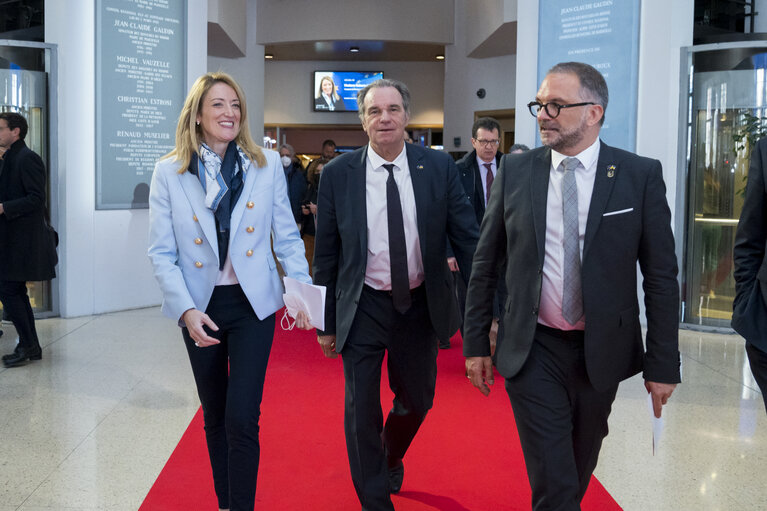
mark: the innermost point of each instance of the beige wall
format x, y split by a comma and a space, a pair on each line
328, 20
463, 76
249, 73
483, 17
231, 16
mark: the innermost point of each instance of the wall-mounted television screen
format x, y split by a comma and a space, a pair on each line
336, 91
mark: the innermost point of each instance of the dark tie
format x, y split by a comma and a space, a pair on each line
488, 180
400, 282
572, 296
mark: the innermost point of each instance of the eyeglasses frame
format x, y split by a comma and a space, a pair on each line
545, 106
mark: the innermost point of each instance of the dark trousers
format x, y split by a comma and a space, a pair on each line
230, 383
499, 300
757, 359
15, 300
460, 295
561, 419
411, 344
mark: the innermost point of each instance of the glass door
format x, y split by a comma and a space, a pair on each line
726, 99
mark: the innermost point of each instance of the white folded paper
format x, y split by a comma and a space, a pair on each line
300, 296
657, 426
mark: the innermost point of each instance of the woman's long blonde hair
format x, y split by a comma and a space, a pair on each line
189, 134
334, 94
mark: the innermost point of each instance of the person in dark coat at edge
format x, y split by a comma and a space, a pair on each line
477, 171
27, 248
2, 151
294, 175
749, 309
309, 207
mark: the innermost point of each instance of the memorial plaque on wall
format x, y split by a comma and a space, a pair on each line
604, 34
140, 89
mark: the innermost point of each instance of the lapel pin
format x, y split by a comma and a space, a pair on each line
419, 167
610, 170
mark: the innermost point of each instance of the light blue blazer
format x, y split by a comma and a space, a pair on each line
183, 245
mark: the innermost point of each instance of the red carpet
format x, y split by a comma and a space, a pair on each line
466, 455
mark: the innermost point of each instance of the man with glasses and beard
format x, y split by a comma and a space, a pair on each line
572, 219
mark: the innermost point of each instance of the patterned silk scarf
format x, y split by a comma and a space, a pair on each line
222, 182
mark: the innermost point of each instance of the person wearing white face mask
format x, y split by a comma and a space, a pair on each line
295, 178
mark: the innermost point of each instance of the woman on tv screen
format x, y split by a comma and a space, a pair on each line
327, 96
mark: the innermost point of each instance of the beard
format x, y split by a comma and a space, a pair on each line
562, 138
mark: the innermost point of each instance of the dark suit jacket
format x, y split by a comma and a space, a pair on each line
749, 317
514, 226
27, 252
340, 250
338, 105
471, 179
468, 171
296, 189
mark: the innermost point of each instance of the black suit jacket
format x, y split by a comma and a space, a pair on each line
340, 251
628, 222
338, 105
749, 315
471, 179
27, 252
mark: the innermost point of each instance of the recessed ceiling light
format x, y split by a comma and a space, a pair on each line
354, 49
268, 56
440, 57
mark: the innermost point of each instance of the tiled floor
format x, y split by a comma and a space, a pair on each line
91, 425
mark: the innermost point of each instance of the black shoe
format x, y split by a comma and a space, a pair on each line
20, 356
14, 353
396, 474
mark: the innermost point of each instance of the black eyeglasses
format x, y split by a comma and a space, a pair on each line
552, 109
485, 143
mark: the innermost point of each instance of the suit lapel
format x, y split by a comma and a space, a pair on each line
355, 184
606, 173
419, 177
539, 185
193, 190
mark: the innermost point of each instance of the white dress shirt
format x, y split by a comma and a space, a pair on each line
378, 271
483, 175
329, 101
550, 311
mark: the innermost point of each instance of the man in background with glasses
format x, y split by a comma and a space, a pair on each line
571, 220
477, 170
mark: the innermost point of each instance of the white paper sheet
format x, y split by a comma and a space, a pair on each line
312, 298
657, 426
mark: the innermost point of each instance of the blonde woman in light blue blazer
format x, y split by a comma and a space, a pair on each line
215, 202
